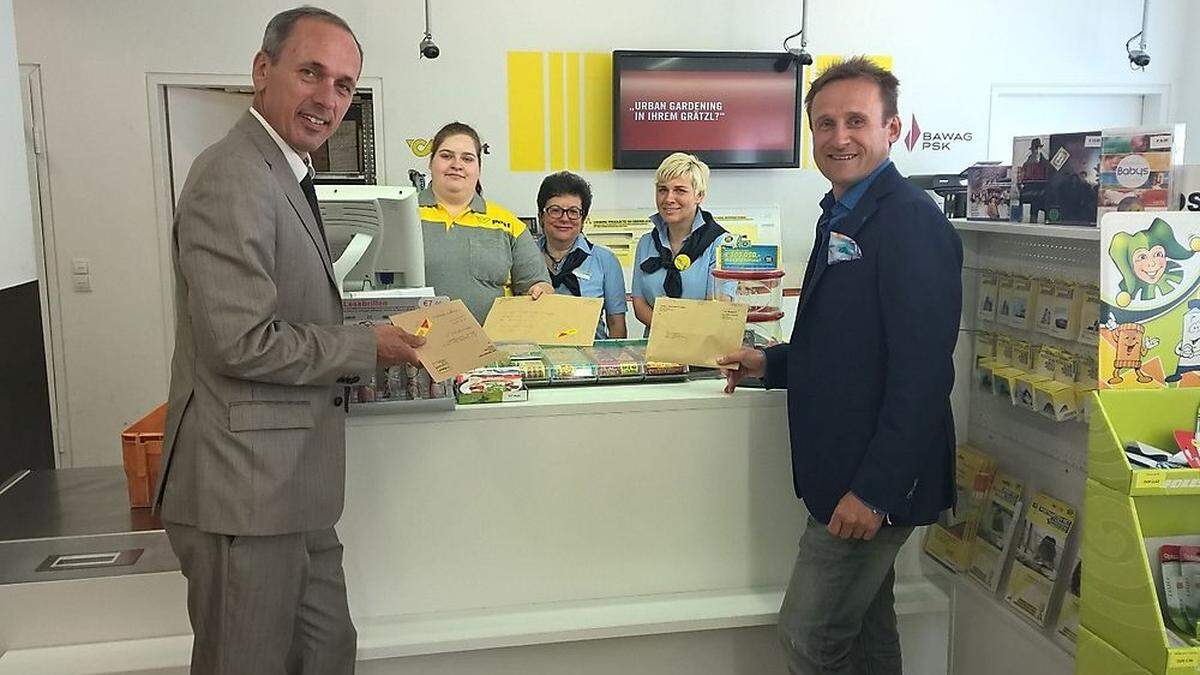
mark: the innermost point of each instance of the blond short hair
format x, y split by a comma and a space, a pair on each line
683, 165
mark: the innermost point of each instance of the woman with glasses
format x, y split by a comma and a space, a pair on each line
577, 266
475, 250
677, 256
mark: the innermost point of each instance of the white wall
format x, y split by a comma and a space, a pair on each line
95, 57
17, 264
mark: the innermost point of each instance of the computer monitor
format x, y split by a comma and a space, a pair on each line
374, 234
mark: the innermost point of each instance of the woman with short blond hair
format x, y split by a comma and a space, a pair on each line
677, 256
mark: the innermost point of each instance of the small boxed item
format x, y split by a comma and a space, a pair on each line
1003, 298
1089, 315
1024, 355
1022, 303
490, 385
1031, 169
1137, 168
987, 296
1004, 381
1025, 387
995, 532
1073, 185
569, 365
989, 188
985, 345
141, 449
1004, 349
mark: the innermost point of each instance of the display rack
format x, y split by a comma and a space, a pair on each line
1048, 456
1120, 604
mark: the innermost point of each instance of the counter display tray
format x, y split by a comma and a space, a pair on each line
605, 362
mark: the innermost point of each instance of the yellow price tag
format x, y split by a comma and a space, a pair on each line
1149, 479
1183, 658
424, 328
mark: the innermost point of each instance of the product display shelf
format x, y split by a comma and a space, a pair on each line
1028, 229
1120, 603
1047, 456
1094, 655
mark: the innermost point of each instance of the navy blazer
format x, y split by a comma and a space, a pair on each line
870, 364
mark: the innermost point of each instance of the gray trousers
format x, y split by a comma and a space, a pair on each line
838, 614
266, 605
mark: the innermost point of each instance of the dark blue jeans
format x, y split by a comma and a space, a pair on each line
838, 615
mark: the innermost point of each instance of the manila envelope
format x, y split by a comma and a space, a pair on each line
695, 332
454, 342
550, 320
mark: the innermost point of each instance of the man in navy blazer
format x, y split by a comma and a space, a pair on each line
868, 372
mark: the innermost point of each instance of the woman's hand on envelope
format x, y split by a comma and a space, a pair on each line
746, 363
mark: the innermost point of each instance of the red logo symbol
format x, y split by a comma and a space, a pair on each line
914, 134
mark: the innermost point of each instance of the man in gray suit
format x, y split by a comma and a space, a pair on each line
254, 464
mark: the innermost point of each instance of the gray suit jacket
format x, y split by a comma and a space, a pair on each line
255, 434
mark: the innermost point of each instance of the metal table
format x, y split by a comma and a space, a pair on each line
76, 523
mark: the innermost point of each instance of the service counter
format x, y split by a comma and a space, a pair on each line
584, 513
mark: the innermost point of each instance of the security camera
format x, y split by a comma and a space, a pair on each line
1138, 58
428, 48
802, 57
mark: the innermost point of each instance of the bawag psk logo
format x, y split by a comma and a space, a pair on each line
937, 141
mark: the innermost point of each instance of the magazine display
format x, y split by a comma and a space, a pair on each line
1040, 545
993, 537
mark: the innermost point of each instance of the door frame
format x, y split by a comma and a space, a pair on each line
157, 84
49, 288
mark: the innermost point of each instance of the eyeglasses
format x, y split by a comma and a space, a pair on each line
556, 212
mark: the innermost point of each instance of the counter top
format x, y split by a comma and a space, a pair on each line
567, 400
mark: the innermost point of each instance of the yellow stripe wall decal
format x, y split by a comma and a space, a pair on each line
560, 111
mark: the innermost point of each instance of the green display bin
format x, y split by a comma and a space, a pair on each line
1150, 416
1094, 656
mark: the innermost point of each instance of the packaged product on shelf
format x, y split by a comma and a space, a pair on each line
1039, 555
1174, 587
1003, 297
1086, 382
1072, 188
490, 385
1023, 355
1089, 315
989, 191
1026, 383
1045, 304
1189, 568
1004, 381
1056, 398
1065, 310
985, 345
527, 357
993, 537
1031, 169
397, 383
1137, 167
1004, 349
569, 365
1068, 617
987, 296
949, 539
1022, 301
614, 363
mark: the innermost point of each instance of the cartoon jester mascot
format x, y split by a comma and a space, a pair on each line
1146, 261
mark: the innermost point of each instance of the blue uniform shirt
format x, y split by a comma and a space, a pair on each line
600, 276
698, 282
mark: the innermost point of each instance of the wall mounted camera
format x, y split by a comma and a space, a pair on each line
428, 48
1138, 57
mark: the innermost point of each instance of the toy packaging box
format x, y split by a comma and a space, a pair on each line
1040, 546
490, 385
949, 539
1137, 168
1073, 185
1031, 170
994, 535
989, 191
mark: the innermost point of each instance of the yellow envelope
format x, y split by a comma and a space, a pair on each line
695, 332
550, 320
454, 341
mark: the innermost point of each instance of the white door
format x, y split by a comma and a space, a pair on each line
1030, 112
197, 117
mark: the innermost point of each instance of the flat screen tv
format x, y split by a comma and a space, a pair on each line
731, 109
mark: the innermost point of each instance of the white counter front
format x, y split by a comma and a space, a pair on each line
586, 512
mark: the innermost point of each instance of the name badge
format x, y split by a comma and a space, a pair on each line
582, 275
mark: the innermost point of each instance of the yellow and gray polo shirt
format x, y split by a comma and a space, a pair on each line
484, 253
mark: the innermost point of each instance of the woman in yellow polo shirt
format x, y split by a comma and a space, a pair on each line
475, 250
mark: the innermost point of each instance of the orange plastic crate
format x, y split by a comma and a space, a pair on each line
141, 447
